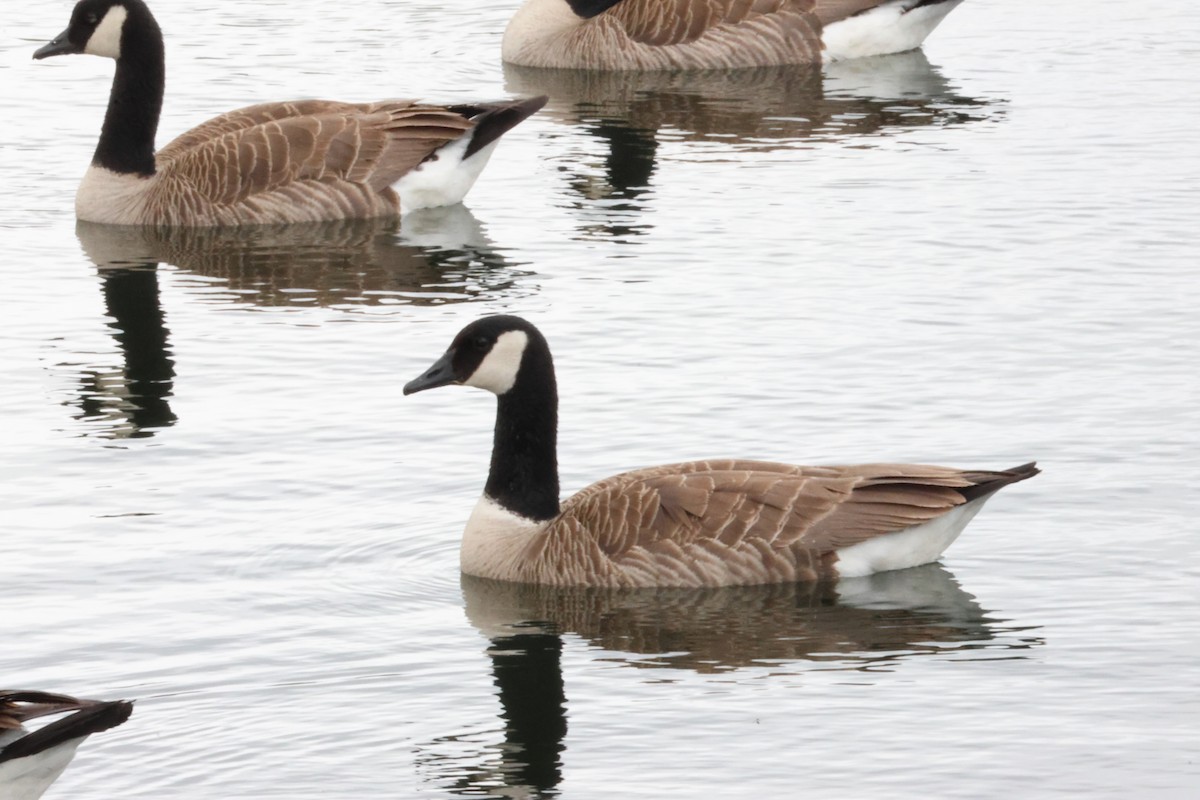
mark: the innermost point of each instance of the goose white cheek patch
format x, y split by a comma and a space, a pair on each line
106, 39
498, 371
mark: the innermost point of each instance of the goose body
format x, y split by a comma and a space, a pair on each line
301, 161
31, 761
700, 523
713, 34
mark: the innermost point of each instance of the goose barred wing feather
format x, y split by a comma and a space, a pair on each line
829, 11
667, 22
350, 152
780, 521
248, 117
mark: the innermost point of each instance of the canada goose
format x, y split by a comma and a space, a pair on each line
31, 761
713, 34
701, 523
302, 161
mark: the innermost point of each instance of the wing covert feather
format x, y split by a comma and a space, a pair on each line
667, 22
727, 504
248, 153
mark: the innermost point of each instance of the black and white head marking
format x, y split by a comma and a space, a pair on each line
497, 371
97, 28
105, 38
487, 354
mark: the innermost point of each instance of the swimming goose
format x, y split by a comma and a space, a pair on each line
30, 762
302, 161
701, 523
713, 34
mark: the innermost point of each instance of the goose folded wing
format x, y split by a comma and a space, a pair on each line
372, 149
731, 503
829, 11
248, 117
668, 22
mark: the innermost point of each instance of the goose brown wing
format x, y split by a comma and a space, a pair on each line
667, 22
779, 505
248, 117
829, 11
373, 146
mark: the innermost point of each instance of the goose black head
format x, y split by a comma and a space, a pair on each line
488, 354
97, 28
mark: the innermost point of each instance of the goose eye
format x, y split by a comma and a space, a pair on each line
91, 18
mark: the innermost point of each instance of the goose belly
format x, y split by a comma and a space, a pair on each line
910, 547
888, 28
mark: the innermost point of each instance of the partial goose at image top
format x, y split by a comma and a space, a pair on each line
271, 163
713, 34
717, 522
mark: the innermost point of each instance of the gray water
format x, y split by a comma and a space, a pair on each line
217, 501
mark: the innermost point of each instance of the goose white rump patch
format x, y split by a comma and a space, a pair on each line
445, 178
911, 547
889, 28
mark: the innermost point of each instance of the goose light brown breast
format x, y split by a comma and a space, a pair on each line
302, 161
700, 523
713, 34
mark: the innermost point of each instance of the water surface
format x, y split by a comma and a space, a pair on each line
217, 500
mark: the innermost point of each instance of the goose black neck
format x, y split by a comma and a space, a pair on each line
127, 138
524, 473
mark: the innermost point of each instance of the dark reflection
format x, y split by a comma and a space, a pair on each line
434, 256
133, 400
527, 672
864, 624
733, 111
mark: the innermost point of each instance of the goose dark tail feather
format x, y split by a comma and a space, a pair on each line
99, 716
990, 482
493, 120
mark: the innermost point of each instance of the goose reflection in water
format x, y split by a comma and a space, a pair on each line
734, 111
133, 400
865, 624
430, 257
